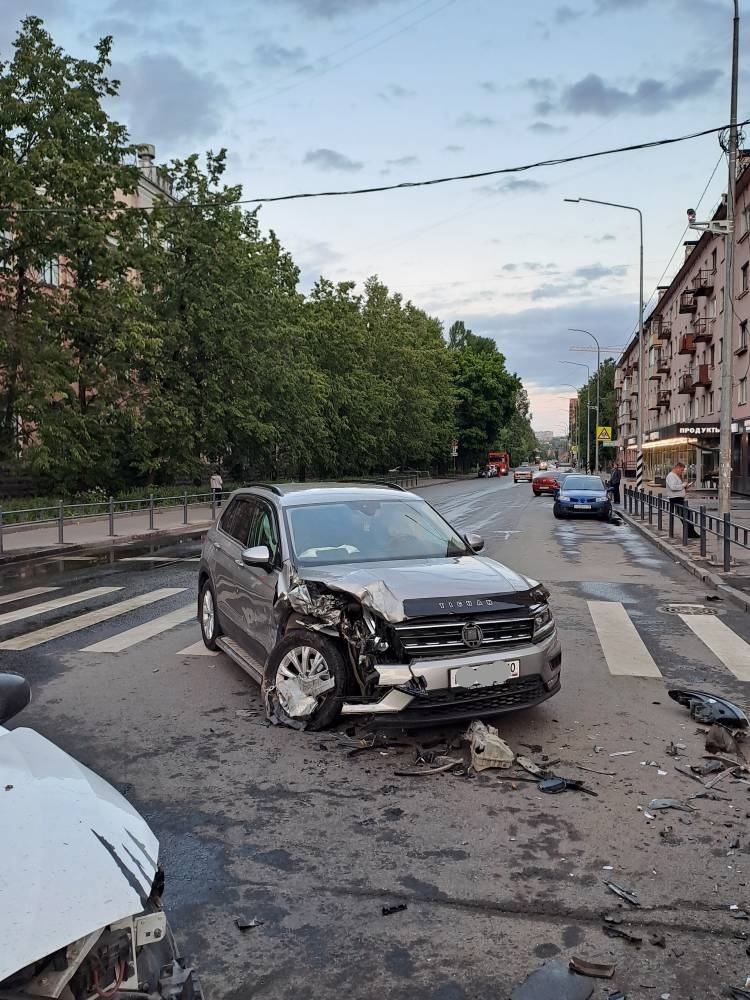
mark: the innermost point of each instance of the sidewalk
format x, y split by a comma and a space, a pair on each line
29, 541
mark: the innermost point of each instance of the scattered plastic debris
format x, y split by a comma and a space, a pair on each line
555, 783
530, 766
710, 708
657, 804
613, 931
243, 713
734, 843
617, 995
658, 941
622, 753
244, 924
720, 740
553, 981
487, 748
626, 894
396, 908
593, 969
712, 597
710, 767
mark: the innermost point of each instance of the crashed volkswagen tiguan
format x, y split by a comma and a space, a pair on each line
363, 601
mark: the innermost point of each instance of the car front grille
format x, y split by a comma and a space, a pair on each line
443, 636
513, 694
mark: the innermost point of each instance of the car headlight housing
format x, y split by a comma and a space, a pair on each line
563, 496
602, 497
544, 623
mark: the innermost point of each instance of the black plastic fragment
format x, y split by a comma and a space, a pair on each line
396, 908
709, 708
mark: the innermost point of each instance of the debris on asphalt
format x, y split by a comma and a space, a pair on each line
487, 747
734, 843
441, 766
396, 908
712, 597
555, 783
675, 749
710, 708
710, 767
593, 969
617, 995
622, 753
553, 981
657, 804
613, 931
626, 894
530, 766
658, 941
244, 924
720, 740
681, 769
737, 993
713, 796
243, 713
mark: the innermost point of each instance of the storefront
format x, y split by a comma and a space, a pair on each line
741, 457
695, 445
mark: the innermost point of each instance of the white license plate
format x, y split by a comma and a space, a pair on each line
581, 506
480, 675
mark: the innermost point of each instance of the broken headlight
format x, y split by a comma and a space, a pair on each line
544, 623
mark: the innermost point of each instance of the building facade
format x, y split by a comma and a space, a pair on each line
683, 355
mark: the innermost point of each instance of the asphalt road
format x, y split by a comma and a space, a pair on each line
288, 828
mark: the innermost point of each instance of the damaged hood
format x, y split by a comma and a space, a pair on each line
399, 590
76, 855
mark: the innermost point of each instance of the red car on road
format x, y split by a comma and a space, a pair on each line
545, 482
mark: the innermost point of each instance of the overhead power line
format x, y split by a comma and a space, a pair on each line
406, 185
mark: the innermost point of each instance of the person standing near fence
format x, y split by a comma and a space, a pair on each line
676, 494
615, 477
217, 487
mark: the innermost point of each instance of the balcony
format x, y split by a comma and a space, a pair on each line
662, 329
703, 330
704, 376
703, 282
634, 388
686, 385
687, 303
663, 396
664, 365
654, 374
687, 344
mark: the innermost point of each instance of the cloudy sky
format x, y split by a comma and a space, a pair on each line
328, 94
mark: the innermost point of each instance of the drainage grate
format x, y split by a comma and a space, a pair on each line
688, 609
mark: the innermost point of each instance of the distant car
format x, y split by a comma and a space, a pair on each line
543, 466
524, 473
545, 482
583, 495
488, 472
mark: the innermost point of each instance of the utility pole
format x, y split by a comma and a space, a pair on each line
725, 426
574, 329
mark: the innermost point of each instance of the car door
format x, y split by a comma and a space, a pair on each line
257, 585
230, 540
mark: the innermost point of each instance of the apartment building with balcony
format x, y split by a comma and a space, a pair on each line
683, 351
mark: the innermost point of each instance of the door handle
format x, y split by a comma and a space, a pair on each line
239, 562
217, 546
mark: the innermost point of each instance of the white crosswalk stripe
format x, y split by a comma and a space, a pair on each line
20, 595
725, 644
69, 625
198, 649
132, 636
53, 605
623, 648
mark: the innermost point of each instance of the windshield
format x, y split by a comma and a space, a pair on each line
583, 483
352, 531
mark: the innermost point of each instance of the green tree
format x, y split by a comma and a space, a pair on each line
607, 412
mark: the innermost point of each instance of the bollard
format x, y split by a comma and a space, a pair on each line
184, 510
702, 522
213, 506
1, 533
685, 525
60, 521
650, 507
151, 512
727, 543
671, 521
659, 513
643, 504
111, 517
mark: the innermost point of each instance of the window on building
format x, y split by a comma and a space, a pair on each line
710, 402
703, 406
743, 333
713, 260
743, 391
721, 348
745, 223
721, 300
50, 272
711, 355
745, 277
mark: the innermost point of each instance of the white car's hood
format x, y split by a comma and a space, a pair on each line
76, 856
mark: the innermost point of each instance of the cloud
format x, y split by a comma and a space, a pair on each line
592, 95
565, 14
167, 101
605, 238
13, 11
403, 161
453, 149
470, 120
544, 128
395, 92
489, 86
515, 185
595, 272
329, 9
275, 56
616, 6
539, 84
330, 159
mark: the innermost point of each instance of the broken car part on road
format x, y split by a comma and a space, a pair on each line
709, 708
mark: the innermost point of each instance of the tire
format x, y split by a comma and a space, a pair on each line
282, 663
558, 513
208, 617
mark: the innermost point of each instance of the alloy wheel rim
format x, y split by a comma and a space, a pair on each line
303, 662
208, 613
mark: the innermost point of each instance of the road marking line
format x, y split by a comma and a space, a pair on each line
160, 559
132, 636
21, 594
54, 604
623, 648
725, 644
69, 625
198, 649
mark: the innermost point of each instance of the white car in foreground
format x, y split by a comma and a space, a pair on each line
81, 915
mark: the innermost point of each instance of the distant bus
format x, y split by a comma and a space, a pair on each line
500, 460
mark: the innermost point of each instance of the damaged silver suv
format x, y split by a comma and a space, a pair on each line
361, 600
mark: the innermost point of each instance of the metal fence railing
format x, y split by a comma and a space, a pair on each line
650, 506
64, 512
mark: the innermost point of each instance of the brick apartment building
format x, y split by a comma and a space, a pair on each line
683, 350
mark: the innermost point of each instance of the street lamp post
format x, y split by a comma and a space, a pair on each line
641, 376
573, 329
580, 364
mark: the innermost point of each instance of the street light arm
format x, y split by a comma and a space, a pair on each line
612, 204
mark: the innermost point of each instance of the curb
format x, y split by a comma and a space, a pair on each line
737, 597
159, 534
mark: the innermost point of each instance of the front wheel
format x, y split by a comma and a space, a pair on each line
557, 512
208, 617
305, 681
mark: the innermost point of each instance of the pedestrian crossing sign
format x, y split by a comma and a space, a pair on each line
603, 433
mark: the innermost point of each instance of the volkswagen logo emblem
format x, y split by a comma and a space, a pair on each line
472, 635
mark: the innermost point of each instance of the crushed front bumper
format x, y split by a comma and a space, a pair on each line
538, 679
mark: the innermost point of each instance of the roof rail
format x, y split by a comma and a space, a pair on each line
264, 486
383, 482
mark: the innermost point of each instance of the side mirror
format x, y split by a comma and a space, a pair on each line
15, 694
475, 542
257, 555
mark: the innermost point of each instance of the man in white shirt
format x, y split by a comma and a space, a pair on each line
217, 485
676, 491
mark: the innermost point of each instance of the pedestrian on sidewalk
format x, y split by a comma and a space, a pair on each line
217, 487
615, 478
676, 494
